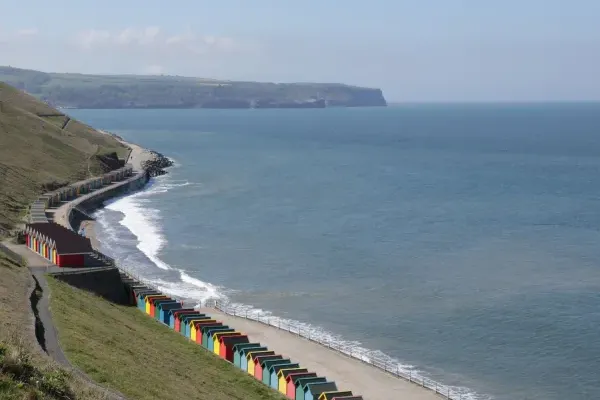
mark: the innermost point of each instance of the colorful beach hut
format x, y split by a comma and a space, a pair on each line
239, 350
148, 302
164, 310
252, 355
59, 245
334, 395
262, 368
196, 334
257, 362
226, 350
274, 372
159, 303
301, 385
290, 390
186, 320
282, 377
142, 297
182, 320
210, 335
173, 315
313, 391
216, 340
194, 327
155, 302
133, 293
203, 332
348, 398
178, 315
244, 355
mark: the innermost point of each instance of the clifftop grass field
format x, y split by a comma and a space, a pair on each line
42, 148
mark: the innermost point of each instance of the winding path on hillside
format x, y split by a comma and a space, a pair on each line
48, 337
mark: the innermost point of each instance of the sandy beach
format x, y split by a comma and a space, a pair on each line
348, 373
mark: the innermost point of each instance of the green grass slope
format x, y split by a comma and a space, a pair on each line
36, 153
122, 348
25, 373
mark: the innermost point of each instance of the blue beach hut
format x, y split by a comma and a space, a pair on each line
165, 308
274, 372
159, 303
187, 319
246, 352
210, 332
312, 391
183, 321
172, 315
266, 368
239, 347
141, 298
301, 384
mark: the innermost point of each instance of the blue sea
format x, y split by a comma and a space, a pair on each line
461, 241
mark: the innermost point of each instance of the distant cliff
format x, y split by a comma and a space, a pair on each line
138, 91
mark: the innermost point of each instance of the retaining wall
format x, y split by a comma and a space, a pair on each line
95, 200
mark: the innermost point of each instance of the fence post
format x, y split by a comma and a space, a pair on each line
410, 375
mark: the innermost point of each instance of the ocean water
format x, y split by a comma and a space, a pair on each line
463, 241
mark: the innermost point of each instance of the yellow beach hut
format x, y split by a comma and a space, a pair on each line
217, 336
250, 358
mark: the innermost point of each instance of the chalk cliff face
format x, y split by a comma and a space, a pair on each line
136, 91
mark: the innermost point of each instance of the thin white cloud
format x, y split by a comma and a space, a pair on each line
27, 32
153, 37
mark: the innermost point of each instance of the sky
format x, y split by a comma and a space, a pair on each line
415, 51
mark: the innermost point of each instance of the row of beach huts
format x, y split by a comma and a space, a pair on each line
70, 192
59, 245
274, 370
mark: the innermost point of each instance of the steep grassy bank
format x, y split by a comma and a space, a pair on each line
40, 149
25, 372
122, 348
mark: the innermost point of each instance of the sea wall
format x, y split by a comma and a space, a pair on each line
96, 199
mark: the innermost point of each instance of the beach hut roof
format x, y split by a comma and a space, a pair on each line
336, 394
242, 347
348, 398
295, 376
293, 370
234, 339
175, 312
306, 380
170, 306
278, 367
319, 387
166, 300
266, 363
64, 240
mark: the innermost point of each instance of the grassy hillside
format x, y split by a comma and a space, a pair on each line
25, 373
135, 91
122, 348
41, 148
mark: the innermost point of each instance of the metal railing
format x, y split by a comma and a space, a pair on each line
392, 368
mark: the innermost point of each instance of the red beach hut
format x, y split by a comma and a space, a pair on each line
291, 382
258, 360
227, 343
